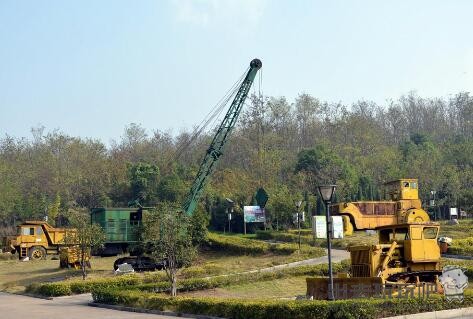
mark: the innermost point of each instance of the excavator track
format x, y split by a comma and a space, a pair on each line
411, 277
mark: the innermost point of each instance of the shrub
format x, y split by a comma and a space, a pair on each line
70, 287
50, 289
271, 309
462, 247
8, 256
208, 269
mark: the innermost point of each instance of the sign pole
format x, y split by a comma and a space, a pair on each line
244, 226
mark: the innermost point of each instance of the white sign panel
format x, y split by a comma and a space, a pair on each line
453, 211
337, 225
319, 227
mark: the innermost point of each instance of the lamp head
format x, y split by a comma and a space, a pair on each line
326, 192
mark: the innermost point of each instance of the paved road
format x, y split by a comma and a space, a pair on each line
71, 307
337, 256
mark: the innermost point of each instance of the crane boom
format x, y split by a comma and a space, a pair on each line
215, 149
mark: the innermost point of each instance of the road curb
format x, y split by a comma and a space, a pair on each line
443, 314
154, 312
29, 295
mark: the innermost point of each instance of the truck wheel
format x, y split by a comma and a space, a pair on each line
37, 253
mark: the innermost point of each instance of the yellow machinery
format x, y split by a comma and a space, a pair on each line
70, 257
407, 253
404, 206
36, 239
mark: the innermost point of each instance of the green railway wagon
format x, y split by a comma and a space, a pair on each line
121, 226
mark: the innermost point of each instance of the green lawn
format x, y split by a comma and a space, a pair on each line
462, 230
15, 275
212, 263
279, 288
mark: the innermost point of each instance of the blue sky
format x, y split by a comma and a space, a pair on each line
89, 68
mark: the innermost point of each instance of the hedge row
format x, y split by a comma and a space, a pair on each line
8, 256
462, 247
71, 287
285, 237
307, 238
135, 282
241, 245
272, 309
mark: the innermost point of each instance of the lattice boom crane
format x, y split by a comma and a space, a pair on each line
220, 139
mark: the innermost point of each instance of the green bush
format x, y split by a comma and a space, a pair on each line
209, 269
272, 309
462, 247
8, 256
70, 287
50, 289
285, 237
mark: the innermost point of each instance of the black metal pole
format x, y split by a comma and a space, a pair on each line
299, 227
329, 249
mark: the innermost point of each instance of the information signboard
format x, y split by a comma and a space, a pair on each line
319, 227
254, 214
337, 225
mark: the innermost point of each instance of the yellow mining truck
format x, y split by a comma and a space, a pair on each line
404, 206
36, 239
406, 254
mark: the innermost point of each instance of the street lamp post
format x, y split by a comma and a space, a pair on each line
298, 206
326, 192
229, 212
432, 203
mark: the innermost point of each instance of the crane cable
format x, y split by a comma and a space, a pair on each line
211, 117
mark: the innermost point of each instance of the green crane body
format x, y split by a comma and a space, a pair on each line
220, 139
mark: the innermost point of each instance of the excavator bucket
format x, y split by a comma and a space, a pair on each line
345, 288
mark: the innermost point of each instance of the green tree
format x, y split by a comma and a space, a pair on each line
143, 182
53, 210
169, 232
86, 236
199, 222
323, 166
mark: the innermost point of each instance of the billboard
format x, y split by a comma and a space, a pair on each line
254, 214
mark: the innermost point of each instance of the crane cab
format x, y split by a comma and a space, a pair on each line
402, 189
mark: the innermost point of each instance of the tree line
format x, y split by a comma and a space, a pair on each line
287, 147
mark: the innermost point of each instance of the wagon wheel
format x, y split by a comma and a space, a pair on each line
37, 253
